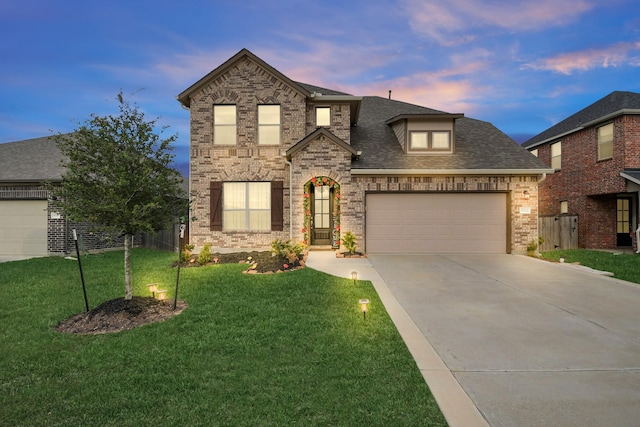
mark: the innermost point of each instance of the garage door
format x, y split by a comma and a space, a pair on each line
437, 223
23, 227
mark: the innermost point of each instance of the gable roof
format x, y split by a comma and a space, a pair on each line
185, 96
615, 104
313, 136
31, 160
479, 146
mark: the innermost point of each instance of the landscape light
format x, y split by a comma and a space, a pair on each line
354, 276
162, 295
364, 307
153, 288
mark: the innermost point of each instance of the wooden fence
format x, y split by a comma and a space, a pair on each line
558, 231
165, 240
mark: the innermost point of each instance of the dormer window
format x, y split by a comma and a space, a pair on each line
438, 141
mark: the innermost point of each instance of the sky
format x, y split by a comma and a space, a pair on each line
521, 65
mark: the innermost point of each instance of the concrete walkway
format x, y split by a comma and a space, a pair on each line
506, 340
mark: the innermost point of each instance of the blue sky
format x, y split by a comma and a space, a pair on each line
522, 65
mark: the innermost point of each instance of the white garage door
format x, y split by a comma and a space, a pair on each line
23, 227
437, 223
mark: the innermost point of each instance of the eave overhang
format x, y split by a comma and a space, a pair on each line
444, 116
467, 172
315, 135
354, 103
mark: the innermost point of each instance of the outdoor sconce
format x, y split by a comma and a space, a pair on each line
354, 276
153, 288
526, 195
364, 307
162, 295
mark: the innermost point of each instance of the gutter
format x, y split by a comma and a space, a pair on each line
451, 171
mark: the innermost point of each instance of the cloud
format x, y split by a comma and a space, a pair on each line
452, 23
619, 54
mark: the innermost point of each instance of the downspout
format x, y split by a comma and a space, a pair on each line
290, 198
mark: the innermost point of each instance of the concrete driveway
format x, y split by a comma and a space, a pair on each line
532, 343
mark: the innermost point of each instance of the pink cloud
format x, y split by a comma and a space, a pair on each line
626, 53
451, 23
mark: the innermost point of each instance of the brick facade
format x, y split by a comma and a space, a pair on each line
591, 186
247, 83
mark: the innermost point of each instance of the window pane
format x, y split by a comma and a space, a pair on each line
605, 133
440, 140
224, 114
234, 195
260, 220
234, 220
323, 116
419, 140
556, 149
269, 135
269, 114
224, 135
605, 141
259, 195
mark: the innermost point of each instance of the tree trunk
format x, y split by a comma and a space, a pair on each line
128, 291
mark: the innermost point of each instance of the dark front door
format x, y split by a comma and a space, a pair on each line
321, 219
623, 212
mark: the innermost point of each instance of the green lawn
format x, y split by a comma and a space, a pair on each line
623, 266
250, 350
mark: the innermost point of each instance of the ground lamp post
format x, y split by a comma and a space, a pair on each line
84, 289
153, 288
354, 276
180, 238
364, 307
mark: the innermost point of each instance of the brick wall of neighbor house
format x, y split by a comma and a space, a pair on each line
523, 227
590, 186
246, 85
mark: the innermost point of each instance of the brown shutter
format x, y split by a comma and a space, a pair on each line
215, 213
277, 211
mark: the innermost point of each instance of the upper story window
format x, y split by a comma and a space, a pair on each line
224, 124
534, 152
268, 124
605, 142
323, 116
246, 206
556, 155
430, 140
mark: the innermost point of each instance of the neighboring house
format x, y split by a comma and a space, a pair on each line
276, 159
30, 223
596, 157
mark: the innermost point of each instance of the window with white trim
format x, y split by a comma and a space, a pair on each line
556, 155
430, 140
246, 206
224, 125
605, 142
323, 116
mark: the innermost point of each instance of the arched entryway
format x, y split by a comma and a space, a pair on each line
322, 212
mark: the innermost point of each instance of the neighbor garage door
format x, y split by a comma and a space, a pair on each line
23, 227
436, 223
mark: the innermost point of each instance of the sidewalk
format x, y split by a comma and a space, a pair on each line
456, 406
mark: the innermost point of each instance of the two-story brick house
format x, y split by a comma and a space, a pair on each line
274, 158
596, 155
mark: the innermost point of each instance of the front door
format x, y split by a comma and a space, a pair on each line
623, 215
321, 219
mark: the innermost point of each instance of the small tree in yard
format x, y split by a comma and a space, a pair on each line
118, 175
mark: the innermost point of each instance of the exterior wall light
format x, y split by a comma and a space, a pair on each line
153, 288
354, 276
364, 307
526, 195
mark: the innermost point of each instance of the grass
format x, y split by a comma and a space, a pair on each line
623, 266
268, 350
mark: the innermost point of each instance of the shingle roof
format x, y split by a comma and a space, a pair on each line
322, 90
31, 160
478, 144
610, 104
